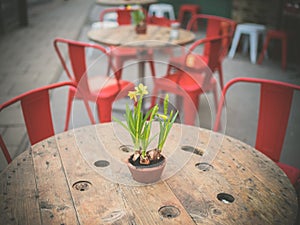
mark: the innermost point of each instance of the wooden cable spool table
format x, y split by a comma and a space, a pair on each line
155, 37
80, 177
125, 35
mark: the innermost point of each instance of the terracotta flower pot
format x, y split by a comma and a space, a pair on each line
148, 173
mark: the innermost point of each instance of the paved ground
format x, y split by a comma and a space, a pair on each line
28, 60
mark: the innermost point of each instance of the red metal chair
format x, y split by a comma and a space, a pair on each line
215, 26
189, 84
101, 89
36, 109
193, 9
122, 54
279, 35
274, 110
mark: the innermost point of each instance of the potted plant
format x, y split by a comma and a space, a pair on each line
147, 165
139, 20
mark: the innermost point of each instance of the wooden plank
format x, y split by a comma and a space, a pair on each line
147, 205
55, 200
100, 202
19, 197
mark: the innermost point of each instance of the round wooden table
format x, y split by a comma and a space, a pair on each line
79, 177
125, 36
125, 2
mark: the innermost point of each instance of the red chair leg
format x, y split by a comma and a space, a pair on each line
154, 96
265, 47
152, 68
190, 108
71, 96
90, 114
119, 67
220, 72
169, 69
104, 110
216, 98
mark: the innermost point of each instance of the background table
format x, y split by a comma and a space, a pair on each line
125, 36
72, 179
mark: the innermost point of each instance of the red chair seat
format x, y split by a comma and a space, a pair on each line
189, 86
180, 60
188, 82
107, 87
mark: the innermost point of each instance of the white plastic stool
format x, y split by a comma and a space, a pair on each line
160, 9
251, 29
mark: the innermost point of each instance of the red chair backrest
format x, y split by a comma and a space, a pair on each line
215, 25
35, 105
77, 55
274, 110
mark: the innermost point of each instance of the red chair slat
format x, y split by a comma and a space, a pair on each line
275, 105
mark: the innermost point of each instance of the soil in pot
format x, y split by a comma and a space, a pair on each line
152, 163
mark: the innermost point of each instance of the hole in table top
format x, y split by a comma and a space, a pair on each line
126, 148
82, 185
204, 166
169, 211
192, 149
101, 163
225, 198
